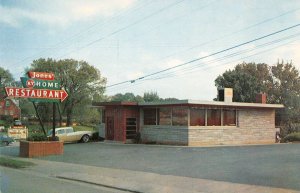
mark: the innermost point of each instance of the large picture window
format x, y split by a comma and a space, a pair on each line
179, 116
197, 117
213, 117
229, 117
150, 116
165, 116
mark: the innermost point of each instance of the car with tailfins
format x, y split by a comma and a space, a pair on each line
68, 135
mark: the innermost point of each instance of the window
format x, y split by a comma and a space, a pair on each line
229, 117
179, 116
213, 117
165, 116
197, 117
69, 130
62, 131
150, 116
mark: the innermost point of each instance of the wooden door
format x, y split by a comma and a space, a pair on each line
110, 128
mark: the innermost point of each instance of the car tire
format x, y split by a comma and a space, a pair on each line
6, 143
85, 138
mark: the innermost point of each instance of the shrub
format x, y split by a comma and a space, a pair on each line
290, 128
37, 137
12, 163
292, 137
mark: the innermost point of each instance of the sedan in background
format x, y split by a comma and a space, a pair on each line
5, 140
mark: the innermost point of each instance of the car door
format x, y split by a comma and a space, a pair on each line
61, 134
71, 135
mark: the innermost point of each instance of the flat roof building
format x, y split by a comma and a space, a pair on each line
189, 122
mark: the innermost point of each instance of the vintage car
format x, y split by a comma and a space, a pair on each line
5, 140
67, 134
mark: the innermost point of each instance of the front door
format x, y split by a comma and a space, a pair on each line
109, 128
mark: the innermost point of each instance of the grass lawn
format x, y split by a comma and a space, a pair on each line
83, 128
12, 163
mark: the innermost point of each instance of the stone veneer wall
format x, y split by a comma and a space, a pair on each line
175, 135
255, 126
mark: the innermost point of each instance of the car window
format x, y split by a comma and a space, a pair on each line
69, 130
61, 131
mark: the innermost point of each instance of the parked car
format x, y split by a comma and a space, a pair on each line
5, 140
67, 134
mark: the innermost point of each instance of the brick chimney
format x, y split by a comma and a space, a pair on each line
261, 98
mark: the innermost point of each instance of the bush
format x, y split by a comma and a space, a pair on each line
6, 120
12, 163
292, 137
37, 137
290, 128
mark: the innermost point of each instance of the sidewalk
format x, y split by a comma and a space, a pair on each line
135, 181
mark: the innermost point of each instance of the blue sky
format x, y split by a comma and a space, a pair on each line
128, 39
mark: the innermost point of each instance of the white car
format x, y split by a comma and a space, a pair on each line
67, 134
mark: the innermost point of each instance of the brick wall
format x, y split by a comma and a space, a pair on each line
164, 135
41, 148
255, 126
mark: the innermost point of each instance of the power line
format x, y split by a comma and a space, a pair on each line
77, 35
230, 55
233, 33
126, 27
213, 54
208, 67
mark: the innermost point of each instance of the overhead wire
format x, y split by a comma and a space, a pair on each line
207, 65
235, 53
125, 27
209, 55
79, 34
230, 34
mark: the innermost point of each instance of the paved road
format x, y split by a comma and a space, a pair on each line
22, 181
269, 165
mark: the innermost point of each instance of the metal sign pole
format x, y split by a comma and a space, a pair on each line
54, 122
38, 115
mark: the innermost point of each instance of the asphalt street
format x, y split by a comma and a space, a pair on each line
20, 181
265, 165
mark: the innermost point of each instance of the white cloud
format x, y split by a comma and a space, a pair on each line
57, 12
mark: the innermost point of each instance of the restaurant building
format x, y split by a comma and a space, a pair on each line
190, 122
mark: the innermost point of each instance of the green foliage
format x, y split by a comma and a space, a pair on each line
81, 80
247, 80
12, 163
151, 97
130, 97
37, 137
290, 128
83, 128
6, 120
6, 79
292, 137
87, 116
280, 82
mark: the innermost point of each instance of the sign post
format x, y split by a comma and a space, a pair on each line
40, 87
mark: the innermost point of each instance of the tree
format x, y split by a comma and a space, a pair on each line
6, 79
81, 80
280, 82
247, 80
127, 97
151, 96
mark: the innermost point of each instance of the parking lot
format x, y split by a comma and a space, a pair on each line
266, 165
